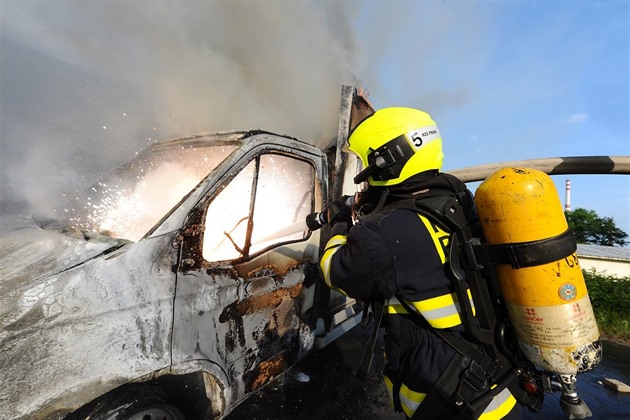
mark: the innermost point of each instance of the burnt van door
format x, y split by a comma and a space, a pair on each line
244, 305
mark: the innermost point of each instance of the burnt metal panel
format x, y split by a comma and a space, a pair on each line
69, 337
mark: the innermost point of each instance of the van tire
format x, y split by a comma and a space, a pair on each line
136, 403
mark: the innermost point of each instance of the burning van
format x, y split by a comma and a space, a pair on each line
175, 288
185, 281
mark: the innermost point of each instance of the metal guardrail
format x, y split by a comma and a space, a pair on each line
552, 166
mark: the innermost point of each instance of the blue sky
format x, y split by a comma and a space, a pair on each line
514, 80
85, 85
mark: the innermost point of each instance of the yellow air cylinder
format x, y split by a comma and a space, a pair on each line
548, 304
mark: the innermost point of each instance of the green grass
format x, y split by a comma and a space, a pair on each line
610, 297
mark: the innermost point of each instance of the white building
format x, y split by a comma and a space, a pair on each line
608, 260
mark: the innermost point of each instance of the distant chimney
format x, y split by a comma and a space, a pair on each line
567, 198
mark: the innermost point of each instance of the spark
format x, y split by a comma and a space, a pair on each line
129, 204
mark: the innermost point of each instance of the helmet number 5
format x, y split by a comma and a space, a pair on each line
416, 138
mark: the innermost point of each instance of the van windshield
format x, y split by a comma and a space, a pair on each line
134, 198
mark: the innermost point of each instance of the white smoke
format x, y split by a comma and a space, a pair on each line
87, 84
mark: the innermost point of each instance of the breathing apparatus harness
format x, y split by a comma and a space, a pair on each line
490, 355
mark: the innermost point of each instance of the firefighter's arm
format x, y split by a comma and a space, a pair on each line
345, 266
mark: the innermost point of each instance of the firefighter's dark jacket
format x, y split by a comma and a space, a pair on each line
398, 253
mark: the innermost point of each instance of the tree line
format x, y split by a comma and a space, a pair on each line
589, 228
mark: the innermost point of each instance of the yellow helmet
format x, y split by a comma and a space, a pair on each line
394, 144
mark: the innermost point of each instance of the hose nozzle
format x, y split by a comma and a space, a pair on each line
315, 221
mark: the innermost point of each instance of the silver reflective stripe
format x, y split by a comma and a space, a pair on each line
409, 405
499, 400
434, 314
392, 301
440, 317
440, 311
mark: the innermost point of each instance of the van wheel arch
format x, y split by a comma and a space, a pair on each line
174, 397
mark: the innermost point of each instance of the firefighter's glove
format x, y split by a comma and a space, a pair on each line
340, 211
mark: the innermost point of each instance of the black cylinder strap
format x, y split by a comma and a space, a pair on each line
527, 254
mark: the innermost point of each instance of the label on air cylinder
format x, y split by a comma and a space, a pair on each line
568, 325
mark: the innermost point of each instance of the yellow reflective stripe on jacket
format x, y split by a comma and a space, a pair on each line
332, 246
440, 238
500, 406
441, 311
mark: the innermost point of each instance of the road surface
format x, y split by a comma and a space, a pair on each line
323, 386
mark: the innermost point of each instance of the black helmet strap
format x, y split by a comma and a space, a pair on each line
387, 161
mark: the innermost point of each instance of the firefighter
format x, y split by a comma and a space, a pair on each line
397, 256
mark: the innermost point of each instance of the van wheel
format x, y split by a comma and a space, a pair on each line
157, 412
140, 403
